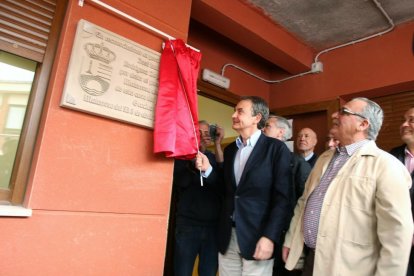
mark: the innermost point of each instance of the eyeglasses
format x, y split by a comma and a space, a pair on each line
345, 111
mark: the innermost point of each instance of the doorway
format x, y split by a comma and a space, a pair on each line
215, 111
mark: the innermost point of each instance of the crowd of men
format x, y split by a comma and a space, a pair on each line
263, 210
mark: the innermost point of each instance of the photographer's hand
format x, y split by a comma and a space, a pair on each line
219, 135
219, 139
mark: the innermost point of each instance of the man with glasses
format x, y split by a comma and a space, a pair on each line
354, 217
405, 153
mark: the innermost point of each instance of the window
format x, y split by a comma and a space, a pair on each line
28, 40
15, 117
16, 78
394, 107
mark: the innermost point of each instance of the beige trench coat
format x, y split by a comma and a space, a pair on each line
366, 226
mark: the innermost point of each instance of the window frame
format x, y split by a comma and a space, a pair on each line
24, 155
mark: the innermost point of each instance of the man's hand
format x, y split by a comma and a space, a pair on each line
285, 253
202, 162
264, 249
219, 135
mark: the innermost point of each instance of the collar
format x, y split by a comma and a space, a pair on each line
309, 156
352, 148
251, 142
408, 153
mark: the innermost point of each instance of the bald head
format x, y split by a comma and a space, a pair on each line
306, 141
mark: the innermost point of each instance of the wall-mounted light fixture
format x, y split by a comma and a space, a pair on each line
216, 79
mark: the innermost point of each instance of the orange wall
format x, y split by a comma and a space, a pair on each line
379, 66
382, 65
100, 197
218, 51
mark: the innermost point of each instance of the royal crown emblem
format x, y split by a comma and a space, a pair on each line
99, 52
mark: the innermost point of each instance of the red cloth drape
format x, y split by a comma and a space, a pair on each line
176, 131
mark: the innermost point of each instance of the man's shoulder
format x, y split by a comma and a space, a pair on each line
398, 150
298, 162
381, 155
230, 146
271, 141
297, 158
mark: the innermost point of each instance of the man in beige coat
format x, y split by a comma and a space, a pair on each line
354, 217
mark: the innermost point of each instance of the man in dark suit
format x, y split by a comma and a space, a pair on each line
257, 192
405, 154
280, 128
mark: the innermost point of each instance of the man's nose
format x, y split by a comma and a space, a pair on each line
405, 123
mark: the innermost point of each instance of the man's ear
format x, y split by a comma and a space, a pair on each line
259, 116
363, 125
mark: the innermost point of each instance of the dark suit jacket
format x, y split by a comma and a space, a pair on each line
300, 172
261, 202
399, 152
196, 205
313, 159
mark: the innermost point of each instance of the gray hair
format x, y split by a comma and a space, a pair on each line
259, 106
375, 116
203, 122
283, 123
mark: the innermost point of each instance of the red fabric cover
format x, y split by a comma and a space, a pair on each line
176, 130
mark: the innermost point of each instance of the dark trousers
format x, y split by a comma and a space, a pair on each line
410, 271
191, 241
309, 261
281, 271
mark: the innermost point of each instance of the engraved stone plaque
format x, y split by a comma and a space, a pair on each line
111, 76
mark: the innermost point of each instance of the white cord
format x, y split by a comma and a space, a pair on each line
188, 105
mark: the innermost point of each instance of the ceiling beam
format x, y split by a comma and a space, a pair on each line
250, 28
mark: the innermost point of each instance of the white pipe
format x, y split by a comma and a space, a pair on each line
256, 76
364, 38
133, 19
321, 52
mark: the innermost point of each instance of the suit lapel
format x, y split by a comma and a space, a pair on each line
232, 154
401, 154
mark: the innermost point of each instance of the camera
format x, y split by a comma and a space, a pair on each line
212, 129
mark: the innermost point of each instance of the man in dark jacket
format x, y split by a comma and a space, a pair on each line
198, 208
279, 127
405, 154
257, 195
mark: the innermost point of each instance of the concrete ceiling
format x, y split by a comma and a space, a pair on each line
325, 23
289, 33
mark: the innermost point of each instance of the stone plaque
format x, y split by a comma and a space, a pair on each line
111, 76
